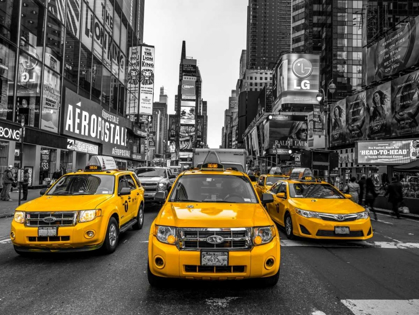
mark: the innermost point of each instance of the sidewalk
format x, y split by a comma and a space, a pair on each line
7, 208
403, 215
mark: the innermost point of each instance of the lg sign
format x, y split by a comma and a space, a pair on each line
302, 68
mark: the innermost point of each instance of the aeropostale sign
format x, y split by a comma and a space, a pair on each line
84, 119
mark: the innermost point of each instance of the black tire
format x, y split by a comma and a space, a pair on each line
288, 227
155, 281
140, 218
112, 237
270, 281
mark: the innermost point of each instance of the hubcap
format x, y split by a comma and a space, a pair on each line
112, 234
288, 226
141, 215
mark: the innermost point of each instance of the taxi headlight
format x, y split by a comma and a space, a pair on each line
263, 235
89, 215
161, 186
19, 217
362, 215
308, 214
166, 234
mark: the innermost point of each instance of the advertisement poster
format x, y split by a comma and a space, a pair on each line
395, 52
405, 105
338, 121
189, 70
199, 128
133, 81
287, 131
147, 80
188, 90
356, 118
385, 152
51, 101
379, 111
186, 137
73, 16
187, 115
173, 123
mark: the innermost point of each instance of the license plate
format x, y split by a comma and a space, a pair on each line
210, 258
47, 231
342, 230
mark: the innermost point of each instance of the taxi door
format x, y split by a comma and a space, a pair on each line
272, 207
282, 202
124, 201
135, 200
260, 185
277, 208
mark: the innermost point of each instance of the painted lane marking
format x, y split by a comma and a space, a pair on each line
382, 307
6, 241
394, 244
213, 302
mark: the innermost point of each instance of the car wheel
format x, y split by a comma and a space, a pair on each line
140, 218
270, 281
288, 227
154, 281
112, 236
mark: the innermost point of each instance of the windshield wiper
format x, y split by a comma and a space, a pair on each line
187, 200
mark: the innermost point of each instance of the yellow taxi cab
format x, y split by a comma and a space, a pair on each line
81, 211
213, 226
266, 181
314, 209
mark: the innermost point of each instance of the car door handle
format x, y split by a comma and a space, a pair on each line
129, 197
138, 194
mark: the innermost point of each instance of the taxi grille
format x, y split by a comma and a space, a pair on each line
49, 239
196, 238
68, 218
215, 269
338, 217
332, 233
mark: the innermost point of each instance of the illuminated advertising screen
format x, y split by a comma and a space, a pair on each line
379, 111
395, 52
173, 127
147, 80
338, 123
356, 118
188, 90
189, 70
133, 80
385, 152
186, 137
187, 115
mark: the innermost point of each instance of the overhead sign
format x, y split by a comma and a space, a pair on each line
9, 131
384, 152
133, 80
147, 80
80, 146
105, 162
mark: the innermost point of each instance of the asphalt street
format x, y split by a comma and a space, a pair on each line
378, 276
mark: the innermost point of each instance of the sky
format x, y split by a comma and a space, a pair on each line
215, 35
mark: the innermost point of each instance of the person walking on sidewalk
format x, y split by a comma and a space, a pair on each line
25, 184
7, 184
353, 189
370, 195
395, 195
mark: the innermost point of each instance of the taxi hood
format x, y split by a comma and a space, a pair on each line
333, 206
64, 203
192, 214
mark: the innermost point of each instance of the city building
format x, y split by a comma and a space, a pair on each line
64, 79
160, 126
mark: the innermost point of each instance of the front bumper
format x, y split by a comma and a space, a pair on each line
68, 239
245, 264
321, 229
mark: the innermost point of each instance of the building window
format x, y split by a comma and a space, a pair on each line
7, 75
71, 60
96, 80
32, 27
9, 10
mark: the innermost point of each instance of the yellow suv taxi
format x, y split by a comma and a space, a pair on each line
315, 209
82, 211
213, 226
265, 183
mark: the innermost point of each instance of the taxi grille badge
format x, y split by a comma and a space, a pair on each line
215, 239
49, 219
340, 217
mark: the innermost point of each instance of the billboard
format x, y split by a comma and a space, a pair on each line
356, 120
133, 80
147, 80
187, 115
199, 128
188, 90
296, 79
286, 131
385, 152
173, 127
405, 105
189, 70
186, 137
395, 52
378, 111
51, 101
338, 123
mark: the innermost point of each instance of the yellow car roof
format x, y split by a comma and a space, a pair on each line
105, 172
215, 172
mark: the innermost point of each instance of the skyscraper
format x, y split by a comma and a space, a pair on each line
268, 32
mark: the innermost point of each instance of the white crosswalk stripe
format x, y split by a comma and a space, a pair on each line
383, 307
6, 241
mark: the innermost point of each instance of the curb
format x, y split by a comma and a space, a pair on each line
403, 215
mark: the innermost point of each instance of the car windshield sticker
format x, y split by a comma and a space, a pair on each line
247, 200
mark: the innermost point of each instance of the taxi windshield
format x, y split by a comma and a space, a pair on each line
150, 172
83, 185
319, 191
270, 180
213, 188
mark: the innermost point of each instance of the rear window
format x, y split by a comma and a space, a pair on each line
150, 172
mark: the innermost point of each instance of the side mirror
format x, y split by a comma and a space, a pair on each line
267, 198
348, 196
172, 176
252, 178
43, 191
160, 196
281, 195
125, 191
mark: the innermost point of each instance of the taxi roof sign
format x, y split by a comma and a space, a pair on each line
300, 173
101, 163
212, 162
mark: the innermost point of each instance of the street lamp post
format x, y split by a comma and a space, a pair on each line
322, 96
20, 172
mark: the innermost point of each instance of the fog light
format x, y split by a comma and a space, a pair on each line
257, 240
159, 262
269, 263
90, 234
171, 239
12, 235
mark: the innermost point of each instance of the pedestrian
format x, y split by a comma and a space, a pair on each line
353, 189
370, 195
395, 195
7, 184
362, 190
25, 184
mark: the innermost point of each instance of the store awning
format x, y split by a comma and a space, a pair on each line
409, 167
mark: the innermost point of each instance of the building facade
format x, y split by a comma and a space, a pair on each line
64, 77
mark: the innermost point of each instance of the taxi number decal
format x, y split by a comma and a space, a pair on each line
126, 206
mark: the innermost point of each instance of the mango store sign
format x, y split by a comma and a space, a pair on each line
385, 152
84, 119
